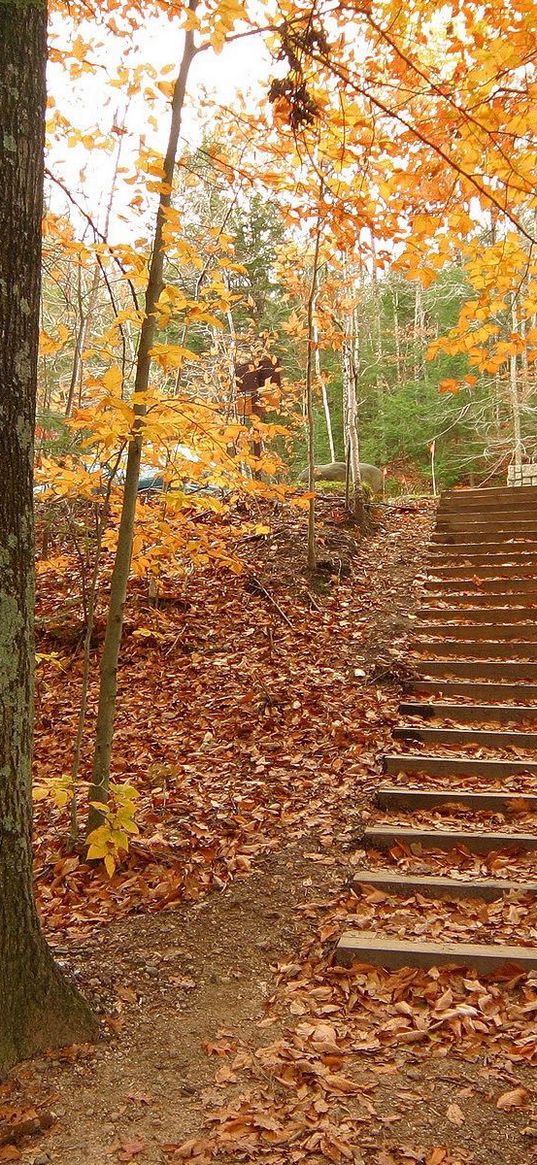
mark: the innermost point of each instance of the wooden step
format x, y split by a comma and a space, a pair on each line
357, 946
483, 570
471, 616
384, 837
470, 585
481, 549
491, 632
459, 669
484, 738
486, 518
504, 535
495, 506
472, 691
519, 561
481, 493
447, 766
400, 797
469, 713
501, 538
409, 885
462, 600
473, 649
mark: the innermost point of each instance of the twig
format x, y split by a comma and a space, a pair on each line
270, 598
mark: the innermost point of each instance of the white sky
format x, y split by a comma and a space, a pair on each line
89, 102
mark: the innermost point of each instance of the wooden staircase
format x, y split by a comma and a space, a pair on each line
468, 732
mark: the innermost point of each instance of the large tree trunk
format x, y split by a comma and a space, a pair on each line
120, 575
38, 1007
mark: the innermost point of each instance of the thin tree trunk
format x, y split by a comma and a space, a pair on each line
397, 340
379, 351
324, 394
358, 508
351, 373
515, 398
120, 575
418, 333
312, 552
39, 1008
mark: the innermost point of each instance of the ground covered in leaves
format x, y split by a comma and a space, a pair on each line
253, 711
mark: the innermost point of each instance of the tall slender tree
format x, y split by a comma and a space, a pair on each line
39, 1008
120, 576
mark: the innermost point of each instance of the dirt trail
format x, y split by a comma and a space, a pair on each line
189, 992
180, 978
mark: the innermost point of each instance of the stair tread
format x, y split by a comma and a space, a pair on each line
429, 885
388, 796
366, 947
399, 761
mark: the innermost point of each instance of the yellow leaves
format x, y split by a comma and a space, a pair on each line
148, 633
172, 300
449, 386
423, 226
113, 379
79, 49
166, 87
50, 345
51, 657
109, 841
71, 479
59, 789
171, 356
294, 326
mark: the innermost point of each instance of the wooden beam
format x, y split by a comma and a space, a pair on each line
363, 947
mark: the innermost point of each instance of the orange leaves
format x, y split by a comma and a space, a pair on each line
171, 356
515, 1098
49, 345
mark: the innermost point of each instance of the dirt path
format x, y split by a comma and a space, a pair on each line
228, 1034
191, 995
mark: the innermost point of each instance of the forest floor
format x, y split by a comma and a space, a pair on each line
253, 713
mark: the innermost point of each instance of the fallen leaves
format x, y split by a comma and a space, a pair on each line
236, 734
516, 1098
455, 1114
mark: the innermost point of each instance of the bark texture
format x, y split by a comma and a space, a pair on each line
38, 1008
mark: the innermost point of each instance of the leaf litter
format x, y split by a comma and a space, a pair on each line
245, 735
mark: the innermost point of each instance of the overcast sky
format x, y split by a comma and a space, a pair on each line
89, 101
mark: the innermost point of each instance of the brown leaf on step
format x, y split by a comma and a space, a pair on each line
516, 1098
437, 1156
225, 1075
9, 1153
335, 1082
455, 1114
128, 1150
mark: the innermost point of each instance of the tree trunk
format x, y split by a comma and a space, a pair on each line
351, 372
378, 345
39, 1009
312, 551
120, 574
397, 340
322, 386
351, 377
518, 447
